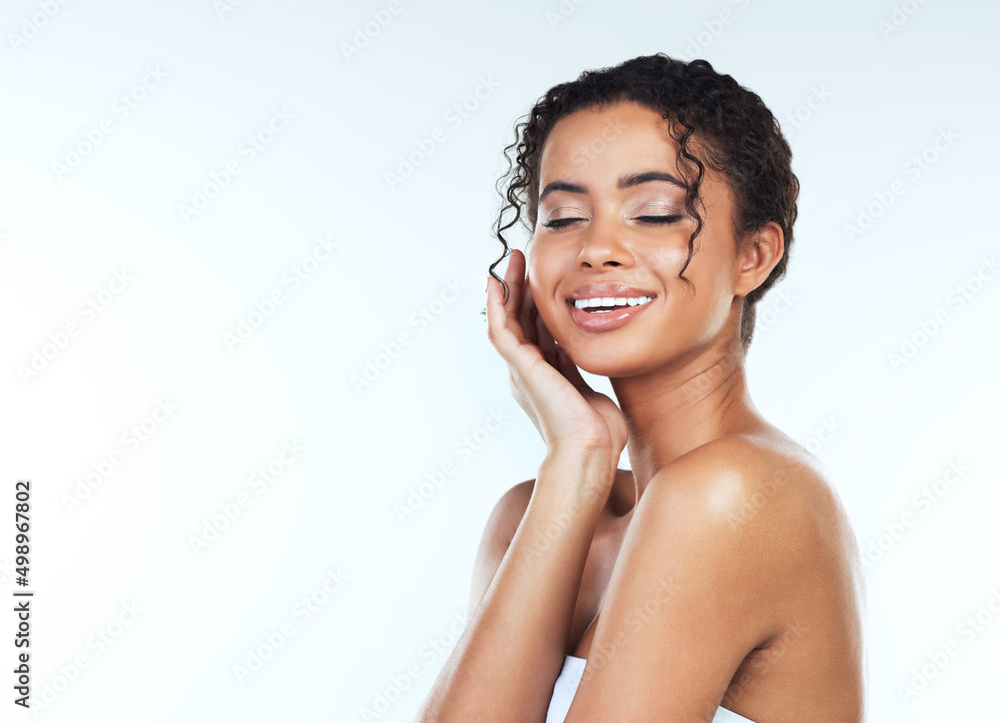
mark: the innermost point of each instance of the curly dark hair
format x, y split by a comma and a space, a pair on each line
732, 129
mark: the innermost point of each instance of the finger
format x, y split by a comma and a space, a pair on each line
512, 277
516, 278
496, 315
569, 370
504, 332
528, 313
545, 341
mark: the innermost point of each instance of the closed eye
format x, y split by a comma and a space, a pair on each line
560, 222
655, 220
660, 219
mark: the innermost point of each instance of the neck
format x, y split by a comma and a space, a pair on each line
676, 408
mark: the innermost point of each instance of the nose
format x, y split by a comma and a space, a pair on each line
603, 245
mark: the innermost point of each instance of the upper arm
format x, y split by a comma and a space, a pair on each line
497, 535
688, 597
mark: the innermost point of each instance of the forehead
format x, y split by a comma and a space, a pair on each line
593, 141
593, 148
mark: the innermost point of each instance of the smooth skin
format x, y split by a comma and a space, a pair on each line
722, 569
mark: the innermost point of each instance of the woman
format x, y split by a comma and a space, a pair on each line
719, 579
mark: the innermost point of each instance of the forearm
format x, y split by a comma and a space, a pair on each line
504, 665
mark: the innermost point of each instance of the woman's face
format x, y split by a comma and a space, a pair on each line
602, 221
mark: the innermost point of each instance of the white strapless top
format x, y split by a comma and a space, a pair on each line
569, 680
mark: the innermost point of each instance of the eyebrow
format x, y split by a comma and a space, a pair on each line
627, 181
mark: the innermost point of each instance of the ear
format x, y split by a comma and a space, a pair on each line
757, 257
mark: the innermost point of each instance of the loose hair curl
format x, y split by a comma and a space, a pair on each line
734, 133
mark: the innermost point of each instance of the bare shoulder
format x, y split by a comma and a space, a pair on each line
755, 476
747, 539
799, 576
510, 508
756, 519
764, 490
501, 526
496, 538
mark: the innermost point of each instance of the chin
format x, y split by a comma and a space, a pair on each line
610, 360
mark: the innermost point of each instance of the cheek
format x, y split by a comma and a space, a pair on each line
708, 307
666, 262
554, 313
547, 306
706, 294
541, 254
543, 277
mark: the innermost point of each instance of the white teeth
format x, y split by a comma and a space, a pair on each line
609, 301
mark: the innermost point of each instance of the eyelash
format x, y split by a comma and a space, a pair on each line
659, 221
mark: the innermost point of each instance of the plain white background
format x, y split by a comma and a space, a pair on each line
145, 541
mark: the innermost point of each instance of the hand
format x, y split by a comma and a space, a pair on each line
543, 379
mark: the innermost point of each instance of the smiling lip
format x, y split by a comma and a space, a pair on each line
589, 291
606, 321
